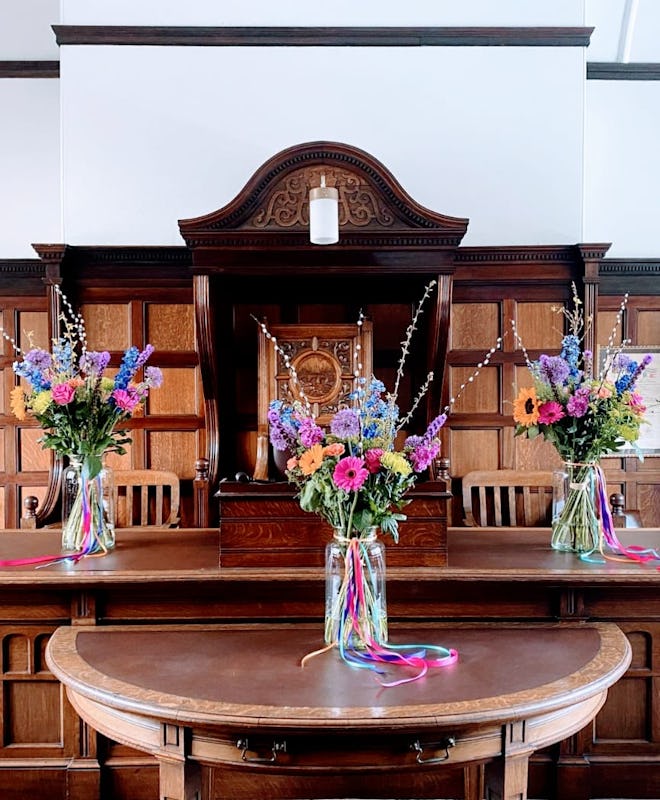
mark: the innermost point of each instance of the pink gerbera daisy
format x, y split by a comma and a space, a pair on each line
550, 412
350, 473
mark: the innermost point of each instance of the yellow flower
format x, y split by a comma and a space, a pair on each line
41, 402
107, 384
395, 462
17, 402
311, 460
526, 407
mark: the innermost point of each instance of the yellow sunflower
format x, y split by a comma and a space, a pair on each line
526, 407
311, 460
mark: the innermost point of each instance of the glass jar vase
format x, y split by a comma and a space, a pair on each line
575, 523
355, 600
88, 512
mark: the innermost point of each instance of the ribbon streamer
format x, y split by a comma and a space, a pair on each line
607, 533
92, 544
357, 645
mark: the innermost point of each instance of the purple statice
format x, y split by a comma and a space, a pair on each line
570, 352
422, 456
309, 432
144, 356
345, 424
93, 363
578, 403
35, 368
621, 362
434, 427
640, 368
127, 368
282, 426
553, 370
154, 377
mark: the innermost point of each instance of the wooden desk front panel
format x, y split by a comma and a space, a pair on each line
47, 754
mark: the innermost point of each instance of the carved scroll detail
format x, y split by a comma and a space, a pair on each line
288, 203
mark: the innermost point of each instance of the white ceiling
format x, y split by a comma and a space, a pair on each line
625, 30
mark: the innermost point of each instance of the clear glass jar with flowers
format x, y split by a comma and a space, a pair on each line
585, 418
356, 475
82, 411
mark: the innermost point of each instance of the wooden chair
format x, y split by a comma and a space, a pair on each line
146, 497
507, 497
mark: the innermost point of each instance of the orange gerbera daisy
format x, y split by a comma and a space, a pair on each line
311, 459
526, 407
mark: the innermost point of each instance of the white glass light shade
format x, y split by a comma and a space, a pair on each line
323, 214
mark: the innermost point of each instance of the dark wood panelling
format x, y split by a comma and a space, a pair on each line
284, 36
173, 576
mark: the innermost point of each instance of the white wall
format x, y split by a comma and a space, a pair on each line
29, 165
155, 134
312, 12
622, 174
496, 134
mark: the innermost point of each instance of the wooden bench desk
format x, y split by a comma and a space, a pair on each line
235, 697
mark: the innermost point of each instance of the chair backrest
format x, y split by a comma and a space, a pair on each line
507, 497
146, 497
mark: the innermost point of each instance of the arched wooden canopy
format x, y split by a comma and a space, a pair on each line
389, 245
374, 210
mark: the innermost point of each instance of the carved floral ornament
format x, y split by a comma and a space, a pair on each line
287, 205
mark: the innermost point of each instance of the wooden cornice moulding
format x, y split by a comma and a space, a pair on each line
29, 69
29, 267
103, 262
273, 207
286, 36
634, 275
22, 276
615, 71
517, 254
134, 254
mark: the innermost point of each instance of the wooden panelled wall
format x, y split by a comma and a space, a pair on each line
125, 299
480, 431
139, 295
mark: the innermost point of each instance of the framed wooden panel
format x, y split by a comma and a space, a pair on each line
32, 330
540, 325
107, 325
481, 395
170, 326
474, 449
474, 326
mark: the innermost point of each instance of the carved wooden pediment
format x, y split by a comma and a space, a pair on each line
371, 202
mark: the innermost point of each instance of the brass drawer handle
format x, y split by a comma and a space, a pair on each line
244, 746
419, 748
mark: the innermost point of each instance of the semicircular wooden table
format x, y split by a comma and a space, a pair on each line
236, 697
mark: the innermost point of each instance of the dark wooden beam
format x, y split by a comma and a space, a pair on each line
613, 71
29, 69
283, 36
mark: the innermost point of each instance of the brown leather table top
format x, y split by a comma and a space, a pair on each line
223, 671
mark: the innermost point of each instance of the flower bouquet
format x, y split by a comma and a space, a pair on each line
585, 418
81, 410
355, 475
